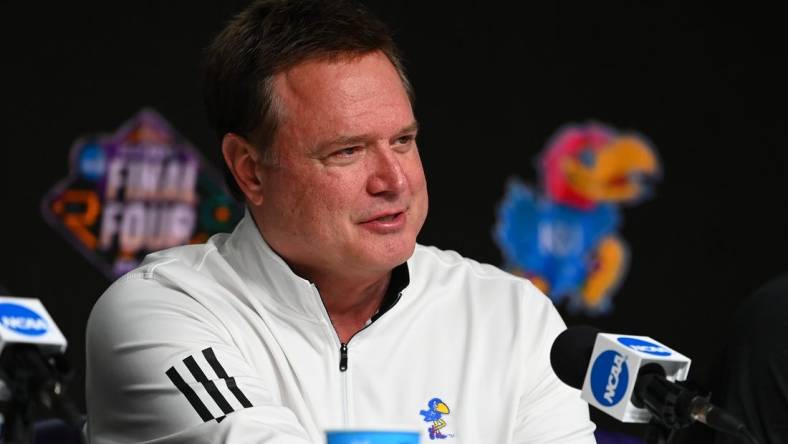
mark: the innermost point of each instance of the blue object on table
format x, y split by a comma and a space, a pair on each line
371, 437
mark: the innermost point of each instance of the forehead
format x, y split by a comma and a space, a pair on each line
343, 96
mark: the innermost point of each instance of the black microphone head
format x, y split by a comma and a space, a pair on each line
571, 353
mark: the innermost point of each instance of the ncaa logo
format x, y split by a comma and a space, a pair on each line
645, 346
22, 320
609, 378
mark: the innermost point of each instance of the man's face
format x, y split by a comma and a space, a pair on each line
348, 194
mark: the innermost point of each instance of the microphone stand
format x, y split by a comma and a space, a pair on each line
658, 433
675, 405
32, 381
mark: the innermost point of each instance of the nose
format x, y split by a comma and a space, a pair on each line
387, 175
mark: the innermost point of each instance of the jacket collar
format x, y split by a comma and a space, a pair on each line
271, 280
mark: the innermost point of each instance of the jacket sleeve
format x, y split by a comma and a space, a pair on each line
161, 369
549, 411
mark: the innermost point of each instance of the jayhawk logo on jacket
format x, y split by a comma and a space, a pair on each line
565, 239
436, 408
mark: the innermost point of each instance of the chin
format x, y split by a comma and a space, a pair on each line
402, 252
390, 255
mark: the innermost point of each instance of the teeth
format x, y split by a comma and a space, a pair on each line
387, 218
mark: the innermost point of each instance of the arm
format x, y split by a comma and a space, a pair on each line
160, 368
549, 411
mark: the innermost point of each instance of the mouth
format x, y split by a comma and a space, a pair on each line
627, 185
388, 218
620, 180
386, 223
384, 217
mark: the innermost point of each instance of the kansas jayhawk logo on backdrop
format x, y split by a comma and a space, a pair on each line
565, 238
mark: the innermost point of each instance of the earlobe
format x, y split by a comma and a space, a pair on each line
241, 158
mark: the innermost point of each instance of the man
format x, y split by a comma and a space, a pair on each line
751, 378
320, 311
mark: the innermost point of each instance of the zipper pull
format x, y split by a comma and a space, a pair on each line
343, 357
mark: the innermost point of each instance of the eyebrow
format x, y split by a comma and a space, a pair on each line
361, 139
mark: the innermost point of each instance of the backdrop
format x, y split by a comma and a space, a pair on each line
494, 81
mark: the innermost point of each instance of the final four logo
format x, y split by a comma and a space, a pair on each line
141, 189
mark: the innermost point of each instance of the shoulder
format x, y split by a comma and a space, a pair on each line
448, 273
181, 261
448, 261
170, 290
433, 262
185, 268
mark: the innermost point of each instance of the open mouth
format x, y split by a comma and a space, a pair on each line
388, 218
633, 179
620, 180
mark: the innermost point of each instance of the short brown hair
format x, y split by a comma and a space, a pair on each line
269, 37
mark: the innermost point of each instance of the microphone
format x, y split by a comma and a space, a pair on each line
26, 321
635, 379
33, 369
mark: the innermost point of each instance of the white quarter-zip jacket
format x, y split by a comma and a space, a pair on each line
222, 343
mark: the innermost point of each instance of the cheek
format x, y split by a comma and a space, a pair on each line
292, 200
415, 173
419, 189
331, 199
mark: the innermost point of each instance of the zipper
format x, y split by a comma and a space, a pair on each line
345, 399
343, 360
343, 357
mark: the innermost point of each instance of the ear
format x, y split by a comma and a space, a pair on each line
241, 158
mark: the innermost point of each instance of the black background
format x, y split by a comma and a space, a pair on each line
704, 83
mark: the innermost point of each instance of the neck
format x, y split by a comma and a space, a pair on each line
350, 302
350, 299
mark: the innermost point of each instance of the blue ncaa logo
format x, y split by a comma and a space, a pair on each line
92, 162
645, 346
609, 378
22, 320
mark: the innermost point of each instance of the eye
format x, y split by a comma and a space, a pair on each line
404, 140
587, 158
404, 143
346, 152
344, 156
